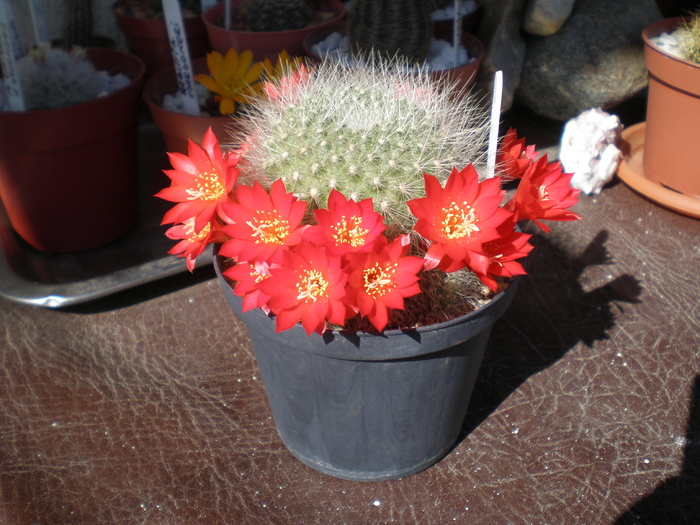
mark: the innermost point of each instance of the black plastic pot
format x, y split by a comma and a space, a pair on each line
370, 407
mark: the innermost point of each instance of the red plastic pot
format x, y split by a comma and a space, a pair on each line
147, 38
178, 128
68, 176
463, 76
263, 44
671, 153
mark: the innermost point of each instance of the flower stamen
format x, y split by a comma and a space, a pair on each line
459, 221
312, 286
378, 279
206, 186
349, 231
269, 228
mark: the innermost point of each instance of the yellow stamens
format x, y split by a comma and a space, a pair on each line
459, 221
349, 231
312, 286
207, 187
269, 228
378, 279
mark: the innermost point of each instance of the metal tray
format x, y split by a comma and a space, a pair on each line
56, 280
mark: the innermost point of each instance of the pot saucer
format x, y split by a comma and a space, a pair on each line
631, 172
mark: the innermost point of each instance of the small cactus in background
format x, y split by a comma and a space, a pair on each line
56, 78
276, 15
78, 30
388, 28
369, 130
691, 42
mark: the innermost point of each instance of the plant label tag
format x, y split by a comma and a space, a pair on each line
38, 21
181, 55
8, 33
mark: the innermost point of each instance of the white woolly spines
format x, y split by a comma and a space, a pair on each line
367, 131
55, 78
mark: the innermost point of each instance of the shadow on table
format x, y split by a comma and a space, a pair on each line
550, 314
677, 500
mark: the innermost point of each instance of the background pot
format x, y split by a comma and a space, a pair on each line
147, 38
68, 176
177, 128
263, 44
463, 76
671, 152
370, 407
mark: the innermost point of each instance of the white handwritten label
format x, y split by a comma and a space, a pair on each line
7, 54
181, 55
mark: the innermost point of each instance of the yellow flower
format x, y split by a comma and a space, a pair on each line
284, 66
234, 78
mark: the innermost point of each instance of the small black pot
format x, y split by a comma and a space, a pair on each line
370, 407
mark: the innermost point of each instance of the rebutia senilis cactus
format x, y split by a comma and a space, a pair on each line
277, 15
367, 130
56, 78
691, 43
390, 28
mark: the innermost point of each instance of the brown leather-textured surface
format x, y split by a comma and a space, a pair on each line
147, 407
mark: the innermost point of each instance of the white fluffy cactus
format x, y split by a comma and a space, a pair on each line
367, 131
55, 78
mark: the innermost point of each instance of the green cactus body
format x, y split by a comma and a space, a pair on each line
55, 78
277, 15
78, 24
389, 28
367, 131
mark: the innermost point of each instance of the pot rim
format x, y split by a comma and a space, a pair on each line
661, 26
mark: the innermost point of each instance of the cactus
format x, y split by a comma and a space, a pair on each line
276, 15
55, 78
368, 130
78, 24
691, 42
388, 28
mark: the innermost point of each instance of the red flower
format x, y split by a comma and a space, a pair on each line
346, 226
262, 225
459, 219
200, 182
288, 86
309, 287
380, 279
503, 254
513, 157
544, 192
192, 243
247, 276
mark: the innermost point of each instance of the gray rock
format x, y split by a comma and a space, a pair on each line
545, 17
505, 48
594, 60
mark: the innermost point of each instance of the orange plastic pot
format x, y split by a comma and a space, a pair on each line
463, 76
264, 44
68, 176
671, 153
147, 38
178, 128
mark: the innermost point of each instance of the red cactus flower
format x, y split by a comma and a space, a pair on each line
200, 182
192, 242
381, 279
247, 276
503, 254
459, 219
308, 287
262, 225
544, 192
346, 226
513, 157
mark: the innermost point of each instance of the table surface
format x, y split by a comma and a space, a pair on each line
147, 407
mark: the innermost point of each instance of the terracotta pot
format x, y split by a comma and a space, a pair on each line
364, 406
463, 76
68, 176
263, 44
671, 153
147, 38
177, 128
